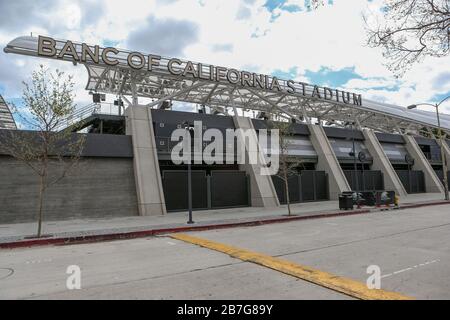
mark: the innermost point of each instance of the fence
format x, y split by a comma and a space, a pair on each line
367, 180
412, 180
221, 189
310, 185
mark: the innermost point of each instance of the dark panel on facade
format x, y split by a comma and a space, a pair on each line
430, 149
179, 117
296, 128
97, 188
96, 145
108, 145
390, 138
426, 141
341, 133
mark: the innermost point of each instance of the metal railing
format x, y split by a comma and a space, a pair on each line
86, 111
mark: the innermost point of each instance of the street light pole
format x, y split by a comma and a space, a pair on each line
442, 141
443, 157
190, 130
355, 166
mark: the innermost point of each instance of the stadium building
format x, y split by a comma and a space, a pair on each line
343, 141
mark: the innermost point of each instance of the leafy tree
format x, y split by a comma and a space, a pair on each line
410, 30
50, 154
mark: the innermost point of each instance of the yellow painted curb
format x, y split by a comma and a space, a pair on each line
343, 285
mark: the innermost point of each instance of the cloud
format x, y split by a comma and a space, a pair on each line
442, 80
324, 46
243, 13
52, 16
13, 17
165, 2
163, 36
222, 47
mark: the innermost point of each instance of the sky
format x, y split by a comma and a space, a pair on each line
283, 38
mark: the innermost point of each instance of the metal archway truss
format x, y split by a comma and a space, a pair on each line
161, 85
221, 96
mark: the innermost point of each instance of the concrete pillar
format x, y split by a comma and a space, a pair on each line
328, 162
149, 188
263, 193
432, 182
381, 162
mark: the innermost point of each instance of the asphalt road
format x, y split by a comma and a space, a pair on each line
411, 247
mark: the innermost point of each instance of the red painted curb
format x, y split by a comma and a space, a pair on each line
154, 232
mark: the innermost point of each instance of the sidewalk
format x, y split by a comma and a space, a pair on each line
124, 227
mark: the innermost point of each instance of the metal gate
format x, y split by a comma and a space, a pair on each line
412, 180
368, 180
228, 189
441, 176
293, 186
175, 185
310, 185
222, 189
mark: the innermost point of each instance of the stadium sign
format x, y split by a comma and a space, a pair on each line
47, 47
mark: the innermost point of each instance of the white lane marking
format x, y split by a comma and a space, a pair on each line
171, 243
39, 261
410, 268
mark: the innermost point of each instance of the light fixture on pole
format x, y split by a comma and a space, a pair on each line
441, 139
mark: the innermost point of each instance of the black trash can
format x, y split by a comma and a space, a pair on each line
345, 202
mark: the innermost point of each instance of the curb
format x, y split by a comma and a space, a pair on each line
155, 232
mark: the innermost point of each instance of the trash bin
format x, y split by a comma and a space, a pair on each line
345, 202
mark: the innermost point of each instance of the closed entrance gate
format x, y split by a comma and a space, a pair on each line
413, 180
222, 189
310, 185
368, 180
441, 176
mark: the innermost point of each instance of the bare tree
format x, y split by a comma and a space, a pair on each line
409, 30
288, 164
51, 155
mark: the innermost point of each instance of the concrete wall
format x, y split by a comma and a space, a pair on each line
98, 188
